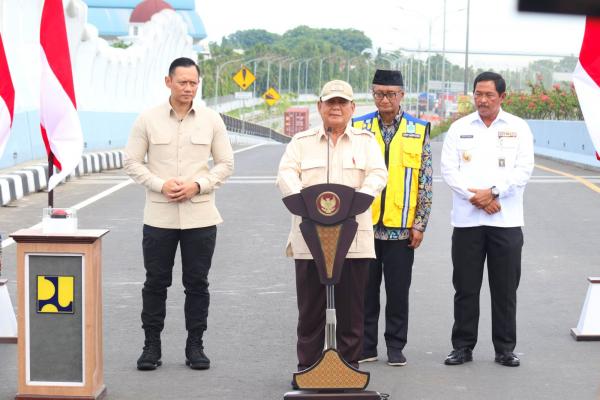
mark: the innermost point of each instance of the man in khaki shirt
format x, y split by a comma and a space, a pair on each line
355, 161
178, 138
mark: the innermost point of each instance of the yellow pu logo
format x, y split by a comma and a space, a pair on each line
55, 294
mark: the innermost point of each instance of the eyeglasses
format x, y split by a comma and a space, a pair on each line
183, 84
390, 95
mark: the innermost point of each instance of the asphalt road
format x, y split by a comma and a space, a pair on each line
251, 335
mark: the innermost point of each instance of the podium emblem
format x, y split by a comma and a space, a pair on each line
328, 203
55, 294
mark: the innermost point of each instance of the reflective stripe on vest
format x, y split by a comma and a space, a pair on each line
403, 162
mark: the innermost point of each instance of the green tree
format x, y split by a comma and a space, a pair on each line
299, 60
250, 38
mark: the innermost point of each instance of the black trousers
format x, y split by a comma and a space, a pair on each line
159, 246
349, 303
470, 248
394, 262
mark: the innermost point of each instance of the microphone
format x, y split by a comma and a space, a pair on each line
328, 132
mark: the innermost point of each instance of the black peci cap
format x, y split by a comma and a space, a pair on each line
388, 78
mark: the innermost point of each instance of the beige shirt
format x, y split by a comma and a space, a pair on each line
179, 149
355, 161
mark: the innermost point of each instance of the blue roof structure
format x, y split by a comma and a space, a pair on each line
111, 17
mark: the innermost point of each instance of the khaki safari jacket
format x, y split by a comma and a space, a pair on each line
179, 149
355, 161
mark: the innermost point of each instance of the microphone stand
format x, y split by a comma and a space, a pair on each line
328, 133
330, 314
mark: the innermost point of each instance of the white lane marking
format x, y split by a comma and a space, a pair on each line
252, 177
97, 182
248, 180
107, 192
101, 195
248, 148
252, 182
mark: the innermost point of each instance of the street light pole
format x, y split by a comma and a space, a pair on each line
348, 69
321, 69
290, 76
268, 75
298, 86
429, 68
271, 60
467, 48
218, 70
279, 88
444, 62
306, 75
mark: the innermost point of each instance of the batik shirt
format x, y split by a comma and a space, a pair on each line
425, 192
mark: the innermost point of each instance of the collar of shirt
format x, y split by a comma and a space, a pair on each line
501, 117
322, 134
169, 109
388, 131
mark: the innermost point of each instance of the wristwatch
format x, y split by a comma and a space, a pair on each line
495, 192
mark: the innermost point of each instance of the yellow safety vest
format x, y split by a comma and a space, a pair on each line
396, 205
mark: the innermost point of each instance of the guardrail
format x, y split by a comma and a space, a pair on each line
249, 128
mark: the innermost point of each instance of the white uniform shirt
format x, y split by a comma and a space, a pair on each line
475, 156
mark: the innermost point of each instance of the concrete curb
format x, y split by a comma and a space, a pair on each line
20, 182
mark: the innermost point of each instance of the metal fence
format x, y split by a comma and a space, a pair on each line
250, 128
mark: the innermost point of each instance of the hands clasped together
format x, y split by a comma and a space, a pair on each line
177, 190
484, 200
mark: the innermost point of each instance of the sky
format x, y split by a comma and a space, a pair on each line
495, 25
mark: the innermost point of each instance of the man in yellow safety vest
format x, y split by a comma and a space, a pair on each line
400, 213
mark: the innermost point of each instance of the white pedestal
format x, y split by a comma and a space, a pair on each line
8, 321
588, 327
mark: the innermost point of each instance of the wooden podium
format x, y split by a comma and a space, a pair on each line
328, 227
59, 282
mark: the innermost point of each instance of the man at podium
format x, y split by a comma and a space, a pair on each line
334, 152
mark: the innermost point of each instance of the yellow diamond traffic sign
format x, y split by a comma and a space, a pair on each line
244, 78
271, 96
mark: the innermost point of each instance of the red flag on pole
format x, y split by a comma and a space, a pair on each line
7, 99
586, 78
61, 129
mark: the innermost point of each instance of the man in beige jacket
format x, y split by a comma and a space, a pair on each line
355, 161
178, 138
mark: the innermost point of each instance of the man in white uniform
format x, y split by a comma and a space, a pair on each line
487, 160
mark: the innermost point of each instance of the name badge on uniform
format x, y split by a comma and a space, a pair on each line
466, 136
411, 131
466, 156
501, 162
502, 134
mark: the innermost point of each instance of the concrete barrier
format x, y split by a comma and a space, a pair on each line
564, 140
15, 184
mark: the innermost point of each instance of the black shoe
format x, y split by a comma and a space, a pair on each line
459, 356
508, 359
150, 358
367, 357
294, 386
194, 352
396, 358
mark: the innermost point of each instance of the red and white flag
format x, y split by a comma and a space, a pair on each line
586, 78
61, 129
7, 99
